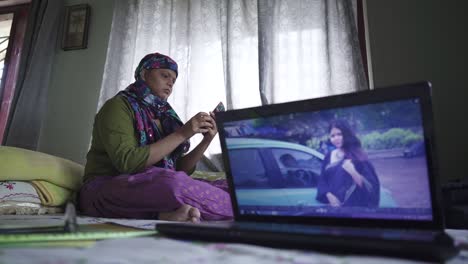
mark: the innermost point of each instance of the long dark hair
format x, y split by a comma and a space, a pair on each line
351, 143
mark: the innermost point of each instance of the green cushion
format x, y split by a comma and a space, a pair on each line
25, 165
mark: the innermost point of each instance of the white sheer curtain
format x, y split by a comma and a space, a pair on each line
242, 52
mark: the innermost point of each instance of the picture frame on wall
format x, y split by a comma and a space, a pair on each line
75, 33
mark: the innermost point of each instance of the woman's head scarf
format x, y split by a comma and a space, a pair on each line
148, 108
155, 61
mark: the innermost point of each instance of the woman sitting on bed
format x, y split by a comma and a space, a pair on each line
136, 167
347, 178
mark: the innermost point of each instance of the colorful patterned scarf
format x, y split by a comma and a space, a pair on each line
148, 107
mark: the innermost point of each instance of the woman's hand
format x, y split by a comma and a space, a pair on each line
211, 130
348, 166
199, 123
333, 200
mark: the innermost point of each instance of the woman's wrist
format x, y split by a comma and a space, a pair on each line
184, 133
207, 139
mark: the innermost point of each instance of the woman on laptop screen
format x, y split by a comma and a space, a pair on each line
347, 178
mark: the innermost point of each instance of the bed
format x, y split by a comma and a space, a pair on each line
158, 249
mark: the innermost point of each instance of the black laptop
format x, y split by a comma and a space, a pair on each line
283, 161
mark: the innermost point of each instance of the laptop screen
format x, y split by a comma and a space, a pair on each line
365, 161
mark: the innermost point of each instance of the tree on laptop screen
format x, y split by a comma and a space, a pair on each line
364, 161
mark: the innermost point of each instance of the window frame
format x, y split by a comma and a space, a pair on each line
12, 61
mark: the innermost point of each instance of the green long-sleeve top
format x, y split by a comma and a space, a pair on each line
114, 147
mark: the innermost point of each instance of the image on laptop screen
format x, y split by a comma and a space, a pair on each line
366, 161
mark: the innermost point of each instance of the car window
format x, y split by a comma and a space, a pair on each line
247, 168
298, 168
290, 158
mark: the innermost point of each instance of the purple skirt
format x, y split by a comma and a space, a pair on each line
155, 190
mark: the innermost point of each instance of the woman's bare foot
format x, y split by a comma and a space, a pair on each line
194, 215
185, 213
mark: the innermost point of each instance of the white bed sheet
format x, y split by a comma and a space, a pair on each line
163, 250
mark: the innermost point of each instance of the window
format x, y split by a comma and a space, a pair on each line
6, 21
12, 29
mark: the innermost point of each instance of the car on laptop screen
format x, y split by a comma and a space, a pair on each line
291, 167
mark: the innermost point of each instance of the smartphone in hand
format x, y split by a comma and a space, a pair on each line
219, 108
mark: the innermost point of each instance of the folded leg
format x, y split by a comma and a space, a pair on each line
155, 190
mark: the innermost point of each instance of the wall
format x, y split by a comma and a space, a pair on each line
74, 88
409, 41
426, 40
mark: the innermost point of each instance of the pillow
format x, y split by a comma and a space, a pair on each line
21, 198
18, 191
209, 175
17, 164
25, 208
